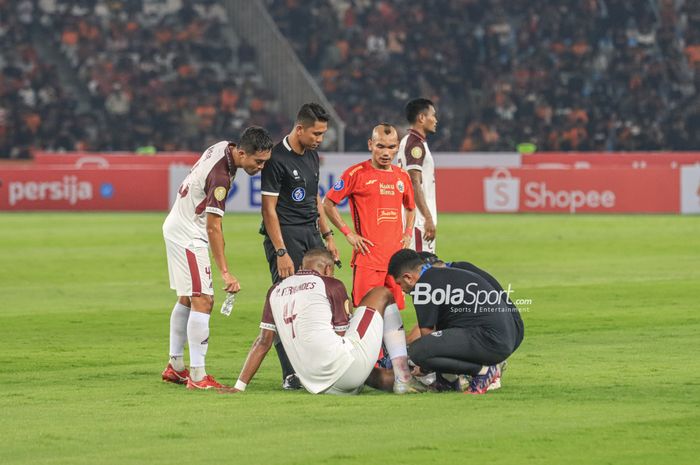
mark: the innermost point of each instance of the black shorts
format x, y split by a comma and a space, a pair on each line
474, 345
298, 240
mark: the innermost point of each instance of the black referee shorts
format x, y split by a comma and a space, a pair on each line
298, 240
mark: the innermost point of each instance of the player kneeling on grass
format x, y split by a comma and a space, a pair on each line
331, 351
466, 325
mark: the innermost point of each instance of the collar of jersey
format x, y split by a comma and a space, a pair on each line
231, 168
289, 147
417, 134
302, 272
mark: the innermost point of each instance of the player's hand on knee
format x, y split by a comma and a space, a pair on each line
231, 283
285, 266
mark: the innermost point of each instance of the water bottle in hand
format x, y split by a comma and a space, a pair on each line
227, 306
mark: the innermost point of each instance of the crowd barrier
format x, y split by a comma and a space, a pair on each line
482, 182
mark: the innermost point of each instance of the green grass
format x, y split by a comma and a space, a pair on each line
608, 371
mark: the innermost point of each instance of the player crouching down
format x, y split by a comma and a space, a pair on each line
331, 351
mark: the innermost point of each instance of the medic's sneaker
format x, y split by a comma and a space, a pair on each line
496, 383
479, 384
170, 375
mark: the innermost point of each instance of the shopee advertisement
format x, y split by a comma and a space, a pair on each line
128, 189
602, 190
560, 160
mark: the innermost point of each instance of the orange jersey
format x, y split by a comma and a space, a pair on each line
376, 197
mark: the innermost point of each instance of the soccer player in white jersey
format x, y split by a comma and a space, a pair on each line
331, 352
192, 227
415, 157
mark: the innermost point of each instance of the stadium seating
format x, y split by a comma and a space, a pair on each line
160, 72
35, 110
566, 75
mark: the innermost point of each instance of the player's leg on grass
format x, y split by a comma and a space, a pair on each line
176, 372
394, 338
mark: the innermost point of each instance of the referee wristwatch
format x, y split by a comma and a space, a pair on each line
281, 252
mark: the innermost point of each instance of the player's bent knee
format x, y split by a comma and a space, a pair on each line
378, 298
417, 352
203, 303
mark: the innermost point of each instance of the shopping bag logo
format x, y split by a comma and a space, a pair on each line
501, 192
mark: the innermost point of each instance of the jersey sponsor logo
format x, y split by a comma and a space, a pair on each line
220, 193
386, 189
371, 181
355, 170
436, 333
387, 215
400, 186
298, 194
417, 152
338, 186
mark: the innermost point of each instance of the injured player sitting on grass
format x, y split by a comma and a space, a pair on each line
331, 351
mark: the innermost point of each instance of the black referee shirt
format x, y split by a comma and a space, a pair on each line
294, 179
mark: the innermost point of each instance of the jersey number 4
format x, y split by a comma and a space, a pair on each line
289, 316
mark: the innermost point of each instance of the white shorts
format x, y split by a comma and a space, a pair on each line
189, 270
419, 244
365, 334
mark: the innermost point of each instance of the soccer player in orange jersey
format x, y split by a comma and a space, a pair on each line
377, 191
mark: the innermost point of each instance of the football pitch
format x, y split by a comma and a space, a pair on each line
608, 372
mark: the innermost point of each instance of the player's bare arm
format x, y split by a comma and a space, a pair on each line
217, 245
417, 181
258, 352
285, 265
410, 222
359, 243
326, 231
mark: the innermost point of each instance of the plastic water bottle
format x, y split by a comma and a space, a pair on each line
227, 306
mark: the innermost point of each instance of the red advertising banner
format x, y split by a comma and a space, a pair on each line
599, 190
104, 160
603, 159
47, 188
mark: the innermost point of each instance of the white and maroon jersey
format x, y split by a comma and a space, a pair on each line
414, 154
306, 310
203, 191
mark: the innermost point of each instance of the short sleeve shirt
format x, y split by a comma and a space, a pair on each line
376, 201
293, 179
203, 191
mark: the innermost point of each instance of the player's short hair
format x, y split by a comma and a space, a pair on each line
402, 261
428, 257
318, 254
309, 113
386, 127
415, 107
255, 139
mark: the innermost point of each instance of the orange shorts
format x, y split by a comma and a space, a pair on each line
364, 280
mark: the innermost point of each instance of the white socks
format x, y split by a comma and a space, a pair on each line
178, 335
198, 338
395, 342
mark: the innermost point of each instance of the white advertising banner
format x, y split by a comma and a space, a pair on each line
690, 189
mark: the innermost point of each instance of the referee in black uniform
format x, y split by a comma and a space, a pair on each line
292, 223
458, 335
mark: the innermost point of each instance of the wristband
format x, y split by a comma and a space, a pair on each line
240, 385
345, 230
328, 234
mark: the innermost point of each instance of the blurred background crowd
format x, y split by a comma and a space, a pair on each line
173, 75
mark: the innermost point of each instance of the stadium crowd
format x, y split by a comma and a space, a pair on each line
565, 75
34, 109
160, 73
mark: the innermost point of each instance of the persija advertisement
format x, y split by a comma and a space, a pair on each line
128, 189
